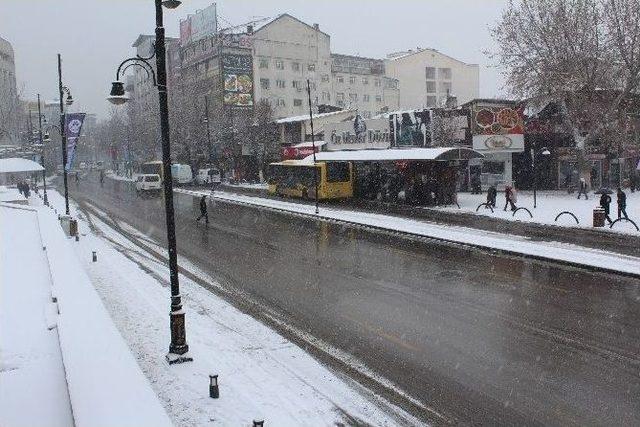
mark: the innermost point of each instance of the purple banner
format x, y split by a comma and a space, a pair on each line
72, 129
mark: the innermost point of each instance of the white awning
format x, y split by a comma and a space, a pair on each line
16, 164
308, 144
394, 154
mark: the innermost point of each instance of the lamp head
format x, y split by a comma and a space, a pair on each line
46, 137
545, 151
117, 95
171, 4
69, 100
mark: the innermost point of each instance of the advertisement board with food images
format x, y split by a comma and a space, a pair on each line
498, 127
237, 71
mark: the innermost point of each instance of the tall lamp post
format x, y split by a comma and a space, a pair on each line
44, 168
178, 346
61, 91
545, 152
313, 146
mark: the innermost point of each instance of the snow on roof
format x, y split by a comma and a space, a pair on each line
308, 144
305, 117
443, 153
16, 164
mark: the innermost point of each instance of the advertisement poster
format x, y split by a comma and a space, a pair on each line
238, 80
358, 134
411, 128
497, 128
72, 128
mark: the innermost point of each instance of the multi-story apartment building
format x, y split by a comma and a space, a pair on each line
144, 92
427, 76
8, 94
287, 52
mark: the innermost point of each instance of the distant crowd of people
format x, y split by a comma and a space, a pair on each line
23, 188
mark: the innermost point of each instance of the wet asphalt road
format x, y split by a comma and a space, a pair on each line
480, 338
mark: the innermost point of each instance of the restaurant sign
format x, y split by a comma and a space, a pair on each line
358, 134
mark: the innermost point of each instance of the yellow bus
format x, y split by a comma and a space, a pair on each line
294, 178
154, 166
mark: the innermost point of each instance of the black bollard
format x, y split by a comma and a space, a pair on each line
77, 238
258, 423
94, 256
214, 391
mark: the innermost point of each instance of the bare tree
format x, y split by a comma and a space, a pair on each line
448, 127
583, 54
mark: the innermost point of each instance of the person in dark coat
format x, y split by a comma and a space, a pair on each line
101, 177
203, 210
583, 189
622, 203
605, 202
508, 196
20, 187
27, 191
492, 194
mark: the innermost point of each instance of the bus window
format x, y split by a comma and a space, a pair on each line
337, 171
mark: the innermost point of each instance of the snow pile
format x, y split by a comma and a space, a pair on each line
12, 195
549, 205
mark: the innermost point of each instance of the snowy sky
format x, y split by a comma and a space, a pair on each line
93, 36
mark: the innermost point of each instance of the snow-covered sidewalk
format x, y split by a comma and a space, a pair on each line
549, 205
262, 375
550, 250
62, 360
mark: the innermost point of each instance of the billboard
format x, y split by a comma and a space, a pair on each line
497, 127
202, 24
410, 128
237, 74
358, 134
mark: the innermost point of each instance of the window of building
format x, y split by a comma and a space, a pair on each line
280, 84
352, 80
325, 77
431, 87
296, 84
365, 98
376, 82
378, 98
444, 73
264, 83
445, 88
365, 81
280, 102
311, 67
279, 64
353, 97
297, 102
340, 103
340, 96
340, 79
264, 63
312, 85
430, 73
265, 101
337, 171
431, 101
326, 96
295, 66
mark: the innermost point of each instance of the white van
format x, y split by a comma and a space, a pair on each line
209, 176
181, 173
148, 182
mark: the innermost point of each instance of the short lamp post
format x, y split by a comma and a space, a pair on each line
178, 347
545, 152
44, 167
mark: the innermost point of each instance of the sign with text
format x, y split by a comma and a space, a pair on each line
358, 134
510, 142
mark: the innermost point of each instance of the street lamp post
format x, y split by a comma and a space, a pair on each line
61, 91
178, 346
44, 168
313, 146
545, 152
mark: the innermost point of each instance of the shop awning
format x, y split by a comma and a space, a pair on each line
17, 164
396, 154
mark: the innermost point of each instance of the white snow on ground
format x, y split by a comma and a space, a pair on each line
9, 194
549, 205
257, 186
262, 375
491, 240
33, 390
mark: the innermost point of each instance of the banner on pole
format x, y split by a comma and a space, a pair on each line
72, 128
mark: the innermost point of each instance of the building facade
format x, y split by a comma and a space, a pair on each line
8, 92
427, 76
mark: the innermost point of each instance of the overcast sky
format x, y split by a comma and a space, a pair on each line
93, 36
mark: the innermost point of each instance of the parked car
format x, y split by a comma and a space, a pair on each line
149, 182
181, 173
209, 176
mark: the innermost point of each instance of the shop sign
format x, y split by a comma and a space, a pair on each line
497, 143
359, 134
238, 80
295, 153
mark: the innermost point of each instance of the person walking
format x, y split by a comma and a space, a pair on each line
509, 198
203, 210
622, 203
101, 177
583, 189
605, 202
77, 178
25, 189
492, 194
